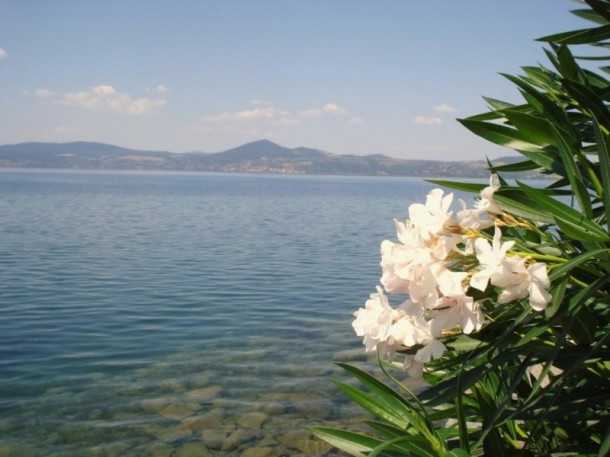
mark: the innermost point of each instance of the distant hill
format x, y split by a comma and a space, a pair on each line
257, 157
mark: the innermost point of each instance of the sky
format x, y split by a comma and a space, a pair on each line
344, 76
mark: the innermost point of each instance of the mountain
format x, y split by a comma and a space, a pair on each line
257, 157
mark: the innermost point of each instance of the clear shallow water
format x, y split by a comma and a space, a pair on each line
146, 314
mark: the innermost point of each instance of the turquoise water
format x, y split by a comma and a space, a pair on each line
176, 314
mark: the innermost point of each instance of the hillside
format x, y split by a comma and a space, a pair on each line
257, 157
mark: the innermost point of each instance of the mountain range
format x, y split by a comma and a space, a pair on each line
256, 157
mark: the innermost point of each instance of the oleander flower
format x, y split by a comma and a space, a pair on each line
431, 218
374, 321
457, 311
490, 257
520, 281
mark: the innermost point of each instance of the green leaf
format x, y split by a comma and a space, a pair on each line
535, 128
463, 186
600, 7
565, 216
501, 135
547, 161
541, 102
590, 15
604, 449
526, 165
568, 67
582, 36
398, 417
568, 148
458, 453
557, 294
588, 99
563, 269
518, 204
583, 326
465, 343
604, 167
353, 443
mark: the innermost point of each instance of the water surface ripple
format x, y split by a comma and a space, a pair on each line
157, 314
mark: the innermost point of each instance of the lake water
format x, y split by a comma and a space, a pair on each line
163, 314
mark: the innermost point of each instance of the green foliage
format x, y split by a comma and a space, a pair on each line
528, 383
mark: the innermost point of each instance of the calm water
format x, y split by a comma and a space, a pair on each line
146, 314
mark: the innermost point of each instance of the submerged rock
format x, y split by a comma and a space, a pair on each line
252, 420
192, 449
203, 394
175, 412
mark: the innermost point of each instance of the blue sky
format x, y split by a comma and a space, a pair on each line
344, 76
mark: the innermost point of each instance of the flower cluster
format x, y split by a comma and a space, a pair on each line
438, 262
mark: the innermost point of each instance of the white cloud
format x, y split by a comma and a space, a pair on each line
161, 89
334, 109
44, 93
2, 53
437, 147
444, 109
267, 115
428, 120
106, 98
312, 112
329, 108
270, 115
256, 101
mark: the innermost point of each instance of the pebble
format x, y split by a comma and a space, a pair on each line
175, 412
203, 394
192, 449
252, 420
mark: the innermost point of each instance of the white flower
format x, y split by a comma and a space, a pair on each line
456, 311
490, 258
486, 202
433, 350
374, 321
431, 218
409, 331
471, 218
520, 282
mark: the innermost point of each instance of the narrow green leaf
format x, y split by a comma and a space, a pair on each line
501, 105
463, 186
590, 15
568, 148
353, 443
568, 67
547, 161
566, 217
526, 165
378, 408
541, 101
583, 326
518, 205
604, 449
604, 167
578, 232
501, 135
600, 7
588, 99
582, 36
458, 453
563, 269
557, 293
412, 444
535, 128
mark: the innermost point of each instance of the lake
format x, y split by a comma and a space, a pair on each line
163, 314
